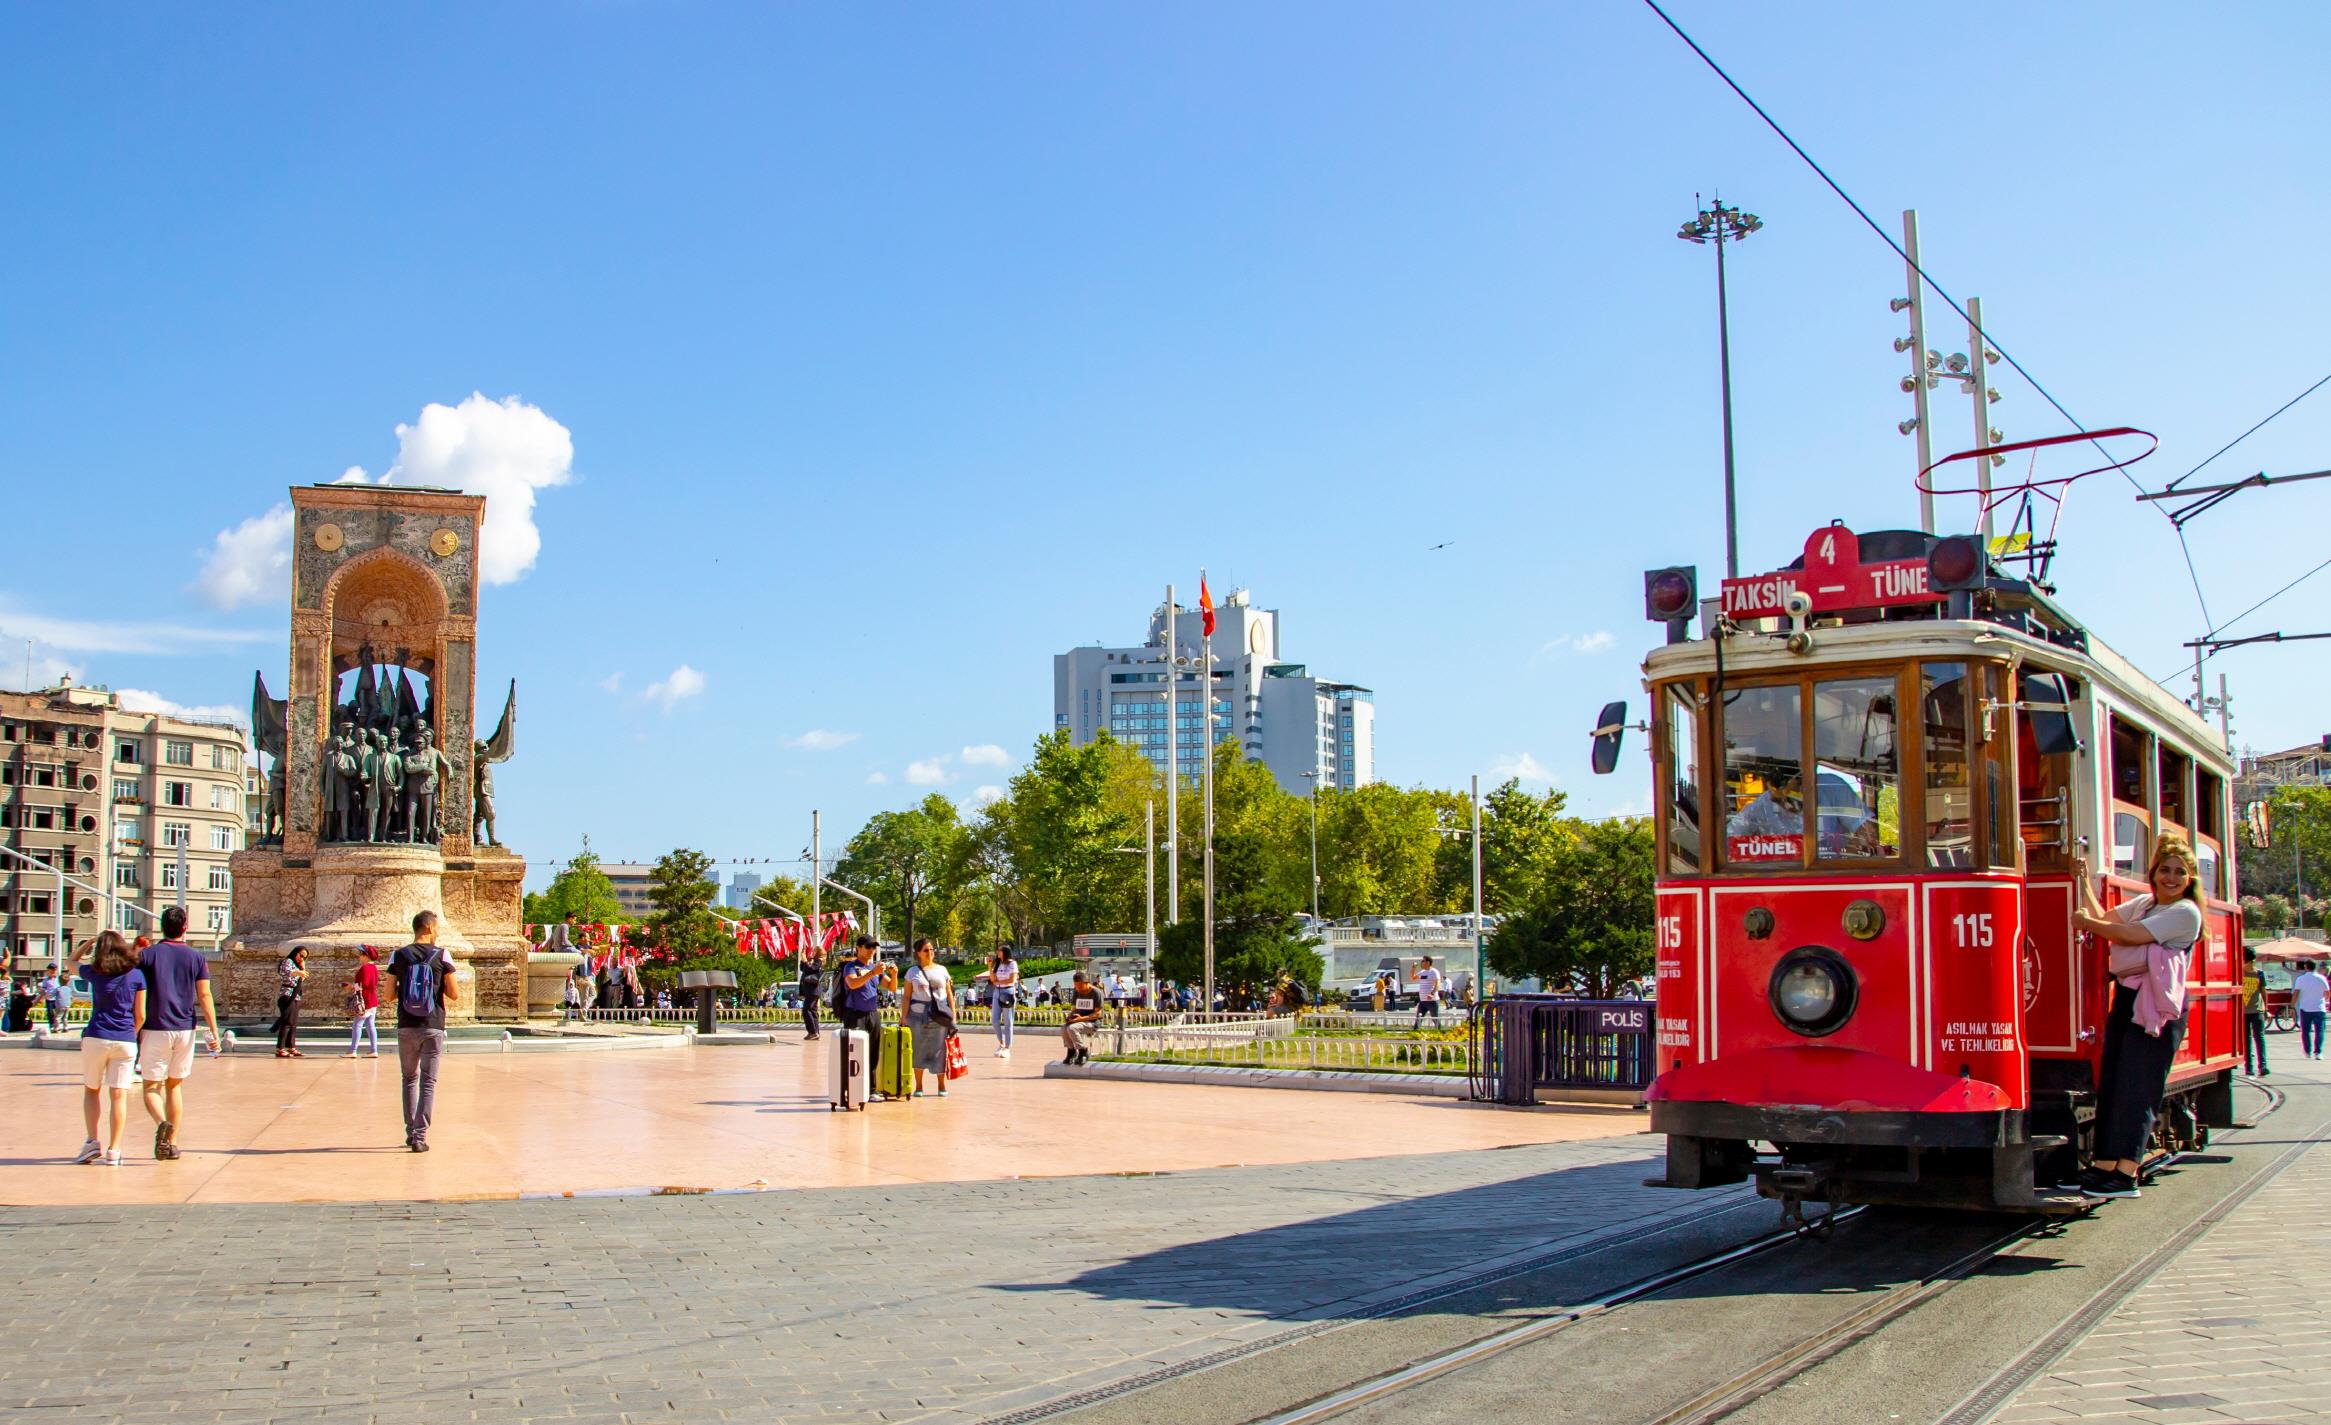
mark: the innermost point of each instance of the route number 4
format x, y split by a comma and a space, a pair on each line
1974, 931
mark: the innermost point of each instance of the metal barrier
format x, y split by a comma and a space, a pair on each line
1524, 1043
1279, 1050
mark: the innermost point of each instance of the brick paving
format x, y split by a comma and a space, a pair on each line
2233, 1330
948, 1302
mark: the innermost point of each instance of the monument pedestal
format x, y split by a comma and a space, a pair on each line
341, 898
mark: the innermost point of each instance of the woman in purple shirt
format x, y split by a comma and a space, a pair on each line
109, 1045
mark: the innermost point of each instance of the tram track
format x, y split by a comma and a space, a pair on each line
1802, 1353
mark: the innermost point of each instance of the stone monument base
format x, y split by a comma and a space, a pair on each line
345, 897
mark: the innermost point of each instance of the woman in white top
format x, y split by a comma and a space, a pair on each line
930, 990
1003, 996
2151, 938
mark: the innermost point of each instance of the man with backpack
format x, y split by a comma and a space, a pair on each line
423, 974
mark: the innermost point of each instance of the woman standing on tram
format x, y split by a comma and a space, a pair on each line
2152, 939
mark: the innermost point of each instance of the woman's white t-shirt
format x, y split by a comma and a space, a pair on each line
931, 986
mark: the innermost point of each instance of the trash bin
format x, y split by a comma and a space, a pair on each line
705, 982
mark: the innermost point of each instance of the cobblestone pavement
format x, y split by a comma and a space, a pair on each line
2233, 1329
919, 1301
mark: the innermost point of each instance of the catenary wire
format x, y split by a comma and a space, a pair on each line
2237, 440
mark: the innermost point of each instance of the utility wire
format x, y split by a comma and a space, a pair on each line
2237, 440
2208, 654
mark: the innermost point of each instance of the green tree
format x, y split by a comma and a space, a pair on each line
1053, 838
580, 891
1379, 851
779, 892
2299, 832
1251, 952
907, 861
1261, 858
1589, 924
682, 888
2271, 913
1523, 838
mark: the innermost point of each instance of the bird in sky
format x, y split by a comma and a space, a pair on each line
1444, 544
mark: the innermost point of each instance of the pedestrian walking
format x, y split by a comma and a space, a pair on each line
423, 975
2151, 939
930, 997
812, 985
364, 1022
177, 984
2308, 993
1084, 1017
861, 991
109, 1045
1003, 997
291, 974
2253, 1016
1428, 994
54, 997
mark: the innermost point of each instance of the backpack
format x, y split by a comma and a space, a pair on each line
838, 998
419, 985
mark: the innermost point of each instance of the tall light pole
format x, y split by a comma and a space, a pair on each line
1718, 224
1480, 986
1173, 679
1313, 779
1148, 850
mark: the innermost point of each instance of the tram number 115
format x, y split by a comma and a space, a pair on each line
1974, 931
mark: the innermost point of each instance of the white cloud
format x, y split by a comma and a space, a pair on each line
250, 563
613, 682
138, 700
987, 754
1523, 766
817, 739
89, 636
929, 772
876, 779
505, 450
684, 682
981, 796
1596, 642
45, 671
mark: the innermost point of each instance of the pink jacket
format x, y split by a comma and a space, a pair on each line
2160, 986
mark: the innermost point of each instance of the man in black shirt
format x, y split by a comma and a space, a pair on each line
423, 975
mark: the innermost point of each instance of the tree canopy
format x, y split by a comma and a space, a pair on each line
580, 892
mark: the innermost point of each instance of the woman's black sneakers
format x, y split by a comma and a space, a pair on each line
2101, 1184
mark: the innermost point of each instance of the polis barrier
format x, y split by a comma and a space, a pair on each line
1525, 1043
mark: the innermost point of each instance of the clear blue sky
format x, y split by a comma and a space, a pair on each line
902, 347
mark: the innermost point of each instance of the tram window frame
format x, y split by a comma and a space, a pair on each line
2002, 843
1682, 701
1963, 853
2053, 783
1734, 691
2132, 748
2174, 776
2211, 810
1822, 764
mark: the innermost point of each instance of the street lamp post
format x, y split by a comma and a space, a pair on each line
1718, 224
1313, 779
1148, 849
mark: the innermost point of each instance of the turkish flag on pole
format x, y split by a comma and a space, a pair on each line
1205, 606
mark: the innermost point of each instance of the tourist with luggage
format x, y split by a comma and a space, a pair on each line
929, 1014
860, 994
423, 975
1003, 997
109, 1045
177, 984
1084, 1018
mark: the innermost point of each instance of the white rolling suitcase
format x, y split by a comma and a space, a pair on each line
847, 1068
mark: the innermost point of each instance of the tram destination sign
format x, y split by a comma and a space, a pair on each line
1832, 578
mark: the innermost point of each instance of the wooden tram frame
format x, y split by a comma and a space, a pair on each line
1965, 1072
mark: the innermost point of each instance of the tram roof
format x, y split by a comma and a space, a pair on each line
1895, 640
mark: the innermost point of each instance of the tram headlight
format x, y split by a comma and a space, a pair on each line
1813, 991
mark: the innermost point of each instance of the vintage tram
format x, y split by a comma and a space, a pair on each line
1876, 774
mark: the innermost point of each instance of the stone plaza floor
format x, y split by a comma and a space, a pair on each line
324, 1128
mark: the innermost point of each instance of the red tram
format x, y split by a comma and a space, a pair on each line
1875, 774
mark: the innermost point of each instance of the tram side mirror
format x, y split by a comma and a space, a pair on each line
1610, 730
2048, 706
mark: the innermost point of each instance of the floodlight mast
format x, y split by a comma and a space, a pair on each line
1718, 225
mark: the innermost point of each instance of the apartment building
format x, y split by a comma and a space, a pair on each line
139, 810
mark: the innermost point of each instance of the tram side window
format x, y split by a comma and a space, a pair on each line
1997, 751
2209, 824
1857, 770
2174, 766
1950, 819
1683, 782
2132, 820
1764, 774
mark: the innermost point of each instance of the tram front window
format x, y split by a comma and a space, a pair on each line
1764, 776
1858, 770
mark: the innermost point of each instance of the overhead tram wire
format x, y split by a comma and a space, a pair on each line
1923, 275
2237, 440
2254, 608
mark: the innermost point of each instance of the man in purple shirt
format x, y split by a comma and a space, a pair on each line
177, 980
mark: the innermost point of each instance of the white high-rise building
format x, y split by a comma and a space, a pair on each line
1275, 711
